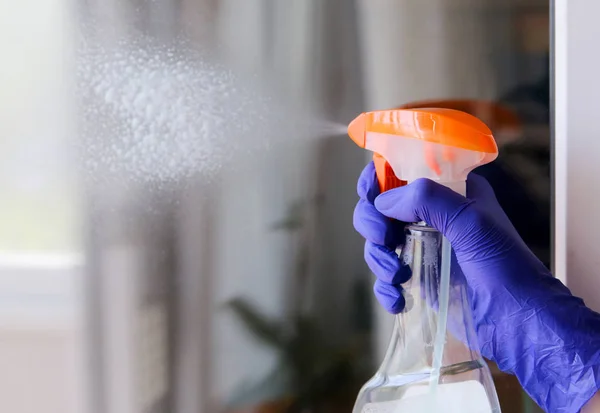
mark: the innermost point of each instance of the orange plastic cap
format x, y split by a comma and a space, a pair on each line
437, 125
435, 143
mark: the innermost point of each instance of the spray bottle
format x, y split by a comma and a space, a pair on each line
433, 362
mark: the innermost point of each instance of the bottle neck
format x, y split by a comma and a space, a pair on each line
416, 327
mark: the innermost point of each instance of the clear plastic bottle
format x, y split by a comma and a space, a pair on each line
433, 362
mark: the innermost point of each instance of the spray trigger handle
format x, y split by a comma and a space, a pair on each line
385, 174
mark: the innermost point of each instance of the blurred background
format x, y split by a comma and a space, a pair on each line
175, 237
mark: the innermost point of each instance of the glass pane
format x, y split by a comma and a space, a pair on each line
177, 189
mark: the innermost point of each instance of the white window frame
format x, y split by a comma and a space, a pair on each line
575, 34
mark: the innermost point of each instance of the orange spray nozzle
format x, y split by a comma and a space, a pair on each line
357, 130
439, 144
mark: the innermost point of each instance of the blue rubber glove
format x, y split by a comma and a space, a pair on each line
528, 322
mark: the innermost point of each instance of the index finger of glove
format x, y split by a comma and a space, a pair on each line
376, 227
368, 187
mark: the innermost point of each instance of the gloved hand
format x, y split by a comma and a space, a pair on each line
528, 322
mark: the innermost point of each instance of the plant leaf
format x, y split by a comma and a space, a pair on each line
264, 329
288, 224
293, 220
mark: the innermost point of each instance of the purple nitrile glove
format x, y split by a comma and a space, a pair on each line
528, 322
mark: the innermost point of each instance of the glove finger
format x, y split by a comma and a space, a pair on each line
368, 187
376, 227
423, 200
385, 264
389, 296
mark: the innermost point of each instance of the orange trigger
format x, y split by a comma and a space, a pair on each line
385, 174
